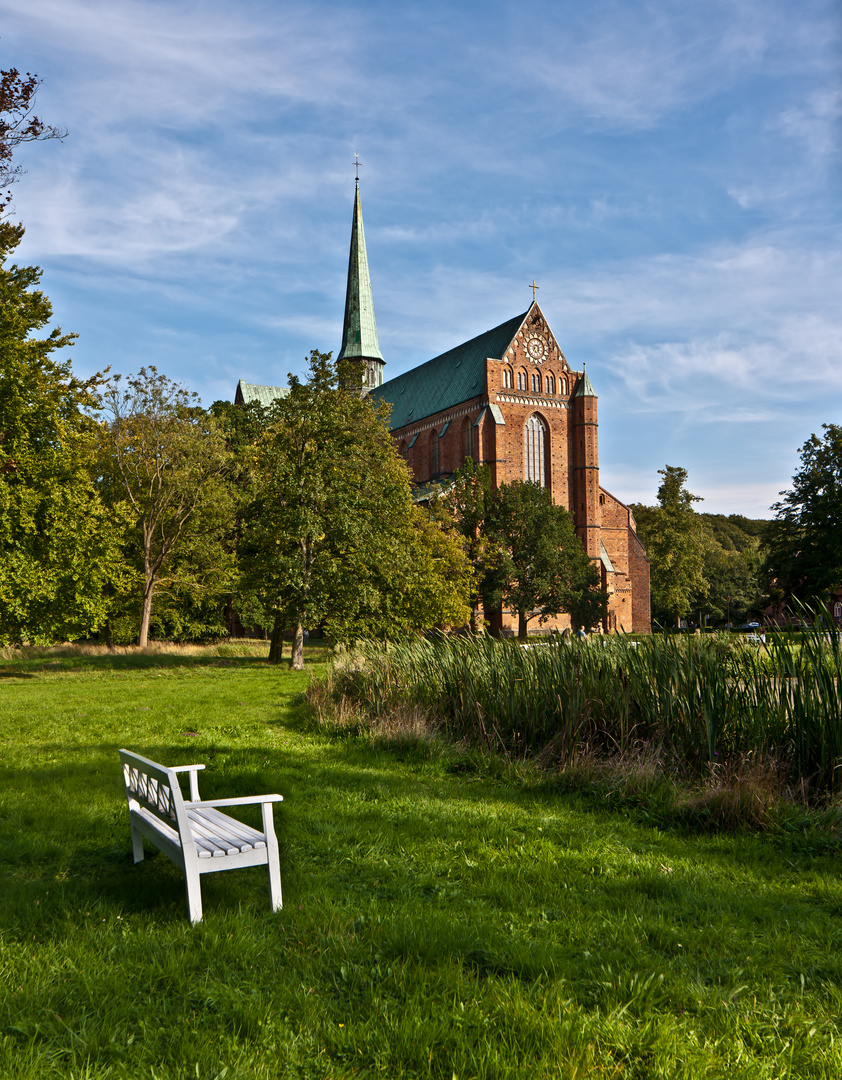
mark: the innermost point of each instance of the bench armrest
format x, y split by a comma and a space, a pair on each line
194, 779
245, 800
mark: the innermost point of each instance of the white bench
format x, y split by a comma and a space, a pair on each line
194, 834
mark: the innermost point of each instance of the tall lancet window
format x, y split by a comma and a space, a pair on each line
467, 439
434, 453
535, 445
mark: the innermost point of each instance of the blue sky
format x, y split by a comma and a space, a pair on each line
669, 173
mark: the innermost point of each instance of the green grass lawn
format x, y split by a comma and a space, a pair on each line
440, 919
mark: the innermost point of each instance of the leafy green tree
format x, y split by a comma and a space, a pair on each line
672, 538
805, 538
332, 536
540, 568
466, 504
59, 547
732, 557
243, 427
169, 468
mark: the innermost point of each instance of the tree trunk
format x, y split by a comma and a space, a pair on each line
146, 614
298, 648
276, 645
521, 625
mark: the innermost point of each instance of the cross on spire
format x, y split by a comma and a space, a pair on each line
357, 164
534, 287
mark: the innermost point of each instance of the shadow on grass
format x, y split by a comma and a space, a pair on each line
361, 829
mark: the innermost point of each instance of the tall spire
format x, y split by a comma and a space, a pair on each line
359, 331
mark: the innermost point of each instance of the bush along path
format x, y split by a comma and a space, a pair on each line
445, 914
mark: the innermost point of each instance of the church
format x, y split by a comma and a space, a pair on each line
509, 400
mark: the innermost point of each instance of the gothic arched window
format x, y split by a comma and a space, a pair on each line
550, 384
536, 383
467, 439
508, 380
434, 453
562, 385
536, 441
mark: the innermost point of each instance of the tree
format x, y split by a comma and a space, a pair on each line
332, 537
805, 537
18, 122
670, 532
540, 567
59, 548
466, 504
170, 467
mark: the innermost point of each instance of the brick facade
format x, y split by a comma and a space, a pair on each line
530, 417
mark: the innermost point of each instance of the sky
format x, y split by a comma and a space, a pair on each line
668, 173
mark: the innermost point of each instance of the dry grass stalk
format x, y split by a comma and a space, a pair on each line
68, 650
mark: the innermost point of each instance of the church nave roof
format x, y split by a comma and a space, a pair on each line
447, 380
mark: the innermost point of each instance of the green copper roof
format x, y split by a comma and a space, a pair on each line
266, 395
584, 389
455, 376
359, 331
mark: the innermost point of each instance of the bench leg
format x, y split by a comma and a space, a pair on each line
194, 896
273, 858
137, 845
275, 883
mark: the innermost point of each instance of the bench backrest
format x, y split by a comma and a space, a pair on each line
154, 787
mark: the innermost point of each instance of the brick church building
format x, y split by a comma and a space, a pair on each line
508, 399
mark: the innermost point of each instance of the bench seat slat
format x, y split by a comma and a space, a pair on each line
237, 832
218, 836
210, 844
223, 837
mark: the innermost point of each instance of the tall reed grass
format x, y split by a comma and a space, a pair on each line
703, 701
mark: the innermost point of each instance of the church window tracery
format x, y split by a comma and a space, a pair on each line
535, 446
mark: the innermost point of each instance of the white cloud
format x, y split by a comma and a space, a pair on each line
186, 66
817, 124
634, 64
